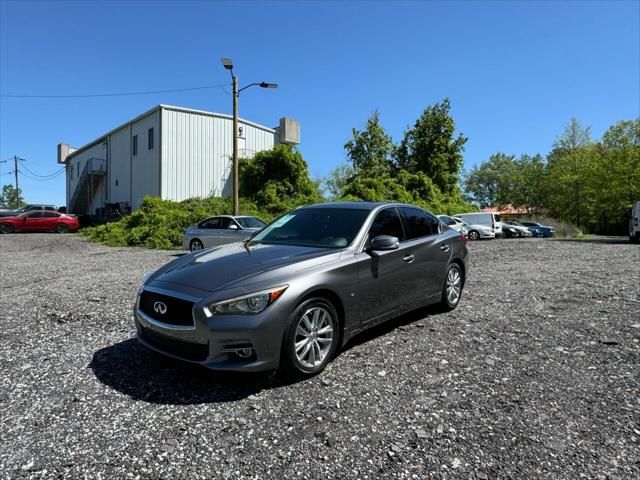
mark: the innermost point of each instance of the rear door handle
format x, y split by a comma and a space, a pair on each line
409, 258
444, 248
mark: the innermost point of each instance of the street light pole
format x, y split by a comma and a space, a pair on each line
228, 64
236, 176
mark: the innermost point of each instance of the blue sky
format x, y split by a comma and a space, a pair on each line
516, 72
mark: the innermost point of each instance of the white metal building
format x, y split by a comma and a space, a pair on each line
171, 152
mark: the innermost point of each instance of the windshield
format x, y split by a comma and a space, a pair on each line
250, 222
314, 227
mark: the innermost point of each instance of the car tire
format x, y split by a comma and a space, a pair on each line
62, 228
316, 322
6, 228
195, 245
452, 288
473, 235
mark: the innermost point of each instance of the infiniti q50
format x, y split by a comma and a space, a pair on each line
292, 295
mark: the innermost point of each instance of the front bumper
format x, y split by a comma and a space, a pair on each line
249, 343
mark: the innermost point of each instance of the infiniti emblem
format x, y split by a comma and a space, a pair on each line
160, 307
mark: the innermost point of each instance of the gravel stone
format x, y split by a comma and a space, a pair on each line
528, 388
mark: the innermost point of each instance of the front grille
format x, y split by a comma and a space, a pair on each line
165, 309
191, 351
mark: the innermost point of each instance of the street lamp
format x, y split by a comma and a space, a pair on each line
228, 64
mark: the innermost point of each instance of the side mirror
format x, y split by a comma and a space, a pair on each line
384, 242
233, 226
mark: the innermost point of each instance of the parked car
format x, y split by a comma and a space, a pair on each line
297, 291
219, 230
39, 221
539, 230
477, 231
491, 220
27, 208
520, 229
634, 223
457, 225
509, 232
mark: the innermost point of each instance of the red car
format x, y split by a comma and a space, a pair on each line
39, 221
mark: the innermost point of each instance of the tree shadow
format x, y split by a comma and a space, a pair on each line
142, 374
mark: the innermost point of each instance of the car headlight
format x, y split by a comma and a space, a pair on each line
247, 304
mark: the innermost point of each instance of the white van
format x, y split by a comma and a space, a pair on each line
491, 220
634, 223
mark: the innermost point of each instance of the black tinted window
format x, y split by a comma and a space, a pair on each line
447, 220
314, 227
225, 222
210, 223
387, 222
35, 215
419, 223
51, 214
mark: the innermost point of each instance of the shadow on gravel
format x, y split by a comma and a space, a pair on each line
389, 326
602, 240
142, 374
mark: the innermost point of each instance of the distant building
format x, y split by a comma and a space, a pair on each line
171, 152
506, 210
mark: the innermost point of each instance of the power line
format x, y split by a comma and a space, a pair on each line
40, 179
117, 94
57, 172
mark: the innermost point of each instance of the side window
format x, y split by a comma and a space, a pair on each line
51, 215
224, 222
211, 223
447, 220
134, 144
419, 223
35, 215
387, 222
150, 133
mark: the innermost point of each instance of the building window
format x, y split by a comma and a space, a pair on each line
78, 170
151, 139
71, 172
135, 145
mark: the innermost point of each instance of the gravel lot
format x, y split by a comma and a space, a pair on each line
535, 375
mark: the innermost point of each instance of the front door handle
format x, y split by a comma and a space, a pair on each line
444, 248
409, 258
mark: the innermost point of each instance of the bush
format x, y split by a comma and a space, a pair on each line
161, 223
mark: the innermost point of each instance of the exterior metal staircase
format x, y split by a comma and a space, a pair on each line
92, 174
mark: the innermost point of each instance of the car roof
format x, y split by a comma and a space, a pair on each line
356, 205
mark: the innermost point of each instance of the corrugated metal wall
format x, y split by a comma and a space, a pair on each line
197, 150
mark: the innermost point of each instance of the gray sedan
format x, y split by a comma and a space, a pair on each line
220, 230
291, 296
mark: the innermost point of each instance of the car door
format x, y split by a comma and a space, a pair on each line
229, 231
50, 220
384, 276
431, 246
208, 232
33, 222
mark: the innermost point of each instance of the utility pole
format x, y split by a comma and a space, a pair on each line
236, 177
16, 159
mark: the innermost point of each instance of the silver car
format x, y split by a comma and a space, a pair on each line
220, 230
290, 297
457, 225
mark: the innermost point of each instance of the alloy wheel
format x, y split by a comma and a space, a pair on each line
473, 235
454, 286
314, 337
196, 245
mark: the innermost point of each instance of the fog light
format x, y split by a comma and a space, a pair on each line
244, 352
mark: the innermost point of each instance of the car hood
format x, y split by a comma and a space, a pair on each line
234, 264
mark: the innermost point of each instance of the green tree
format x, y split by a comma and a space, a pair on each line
371, 149
431, 147
9, 198
491, 183
277, 179
337, 180
571, 166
